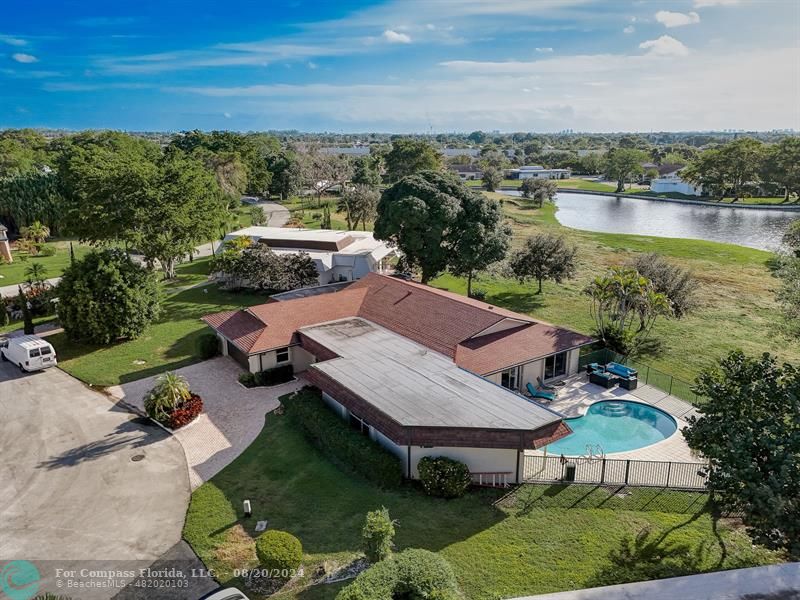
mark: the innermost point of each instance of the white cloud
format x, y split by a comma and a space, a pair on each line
629, 29
676, 19
666, 45
707, 3
394, 37
12, 41
227, 115
469, 95
312, 65
544, 50
24, 58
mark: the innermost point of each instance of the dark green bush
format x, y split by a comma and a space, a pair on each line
279, 552
412, 574
208, 346
346, 448
247, 379
444, 477
275, 376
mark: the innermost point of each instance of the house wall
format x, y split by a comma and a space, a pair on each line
298, 357
531, 370
676, 185
479, 460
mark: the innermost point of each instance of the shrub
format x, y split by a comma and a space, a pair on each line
185, 413
46, 250
279, 552
105, 297
275, 376
413, 574
377, 535
478, 294
247, 379
208, 346
444, 477
348, 449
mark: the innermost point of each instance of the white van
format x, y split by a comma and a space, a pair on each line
28, 352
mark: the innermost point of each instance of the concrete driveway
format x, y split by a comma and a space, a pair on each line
83, 482
232, 417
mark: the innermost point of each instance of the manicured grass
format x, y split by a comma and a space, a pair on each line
538, 539
14, 273
736, 299
167, 344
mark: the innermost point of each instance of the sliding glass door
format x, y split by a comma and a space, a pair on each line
555, 366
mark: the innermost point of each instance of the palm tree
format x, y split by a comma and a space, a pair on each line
35, 274
36, 232
171, 390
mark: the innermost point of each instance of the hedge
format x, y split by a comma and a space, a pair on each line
346, 448
444, 477
208, 346
274, 376
413, 574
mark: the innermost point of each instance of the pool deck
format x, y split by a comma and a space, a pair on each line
577, 395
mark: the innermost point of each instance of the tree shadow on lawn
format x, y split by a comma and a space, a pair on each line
524, 301
293, 486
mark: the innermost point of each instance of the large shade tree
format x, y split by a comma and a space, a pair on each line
543, 257
538, 190
621, 164
431, 217
781, 166
749, 431
409, 156
105, 297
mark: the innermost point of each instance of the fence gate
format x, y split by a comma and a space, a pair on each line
613, 471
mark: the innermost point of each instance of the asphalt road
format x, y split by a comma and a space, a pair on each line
86, 484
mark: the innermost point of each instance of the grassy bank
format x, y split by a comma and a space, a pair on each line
14, 273
737, 307
538, 539
169, 343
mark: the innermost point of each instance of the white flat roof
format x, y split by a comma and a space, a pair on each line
363, 242
416, 386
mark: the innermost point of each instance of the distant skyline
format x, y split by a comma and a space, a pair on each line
402, 66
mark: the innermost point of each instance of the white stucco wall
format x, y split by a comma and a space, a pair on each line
477, 459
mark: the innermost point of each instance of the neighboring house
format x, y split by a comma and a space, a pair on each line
669, 180
471, 152
585, 153
5, 247
538, 172
420, 370
338, 255
467, 172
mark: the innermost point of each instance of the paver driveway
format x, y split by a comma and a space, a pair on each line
232, 416
69, 489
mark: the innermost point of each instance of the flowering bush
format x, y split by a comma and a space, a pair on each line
444, 477
184, 413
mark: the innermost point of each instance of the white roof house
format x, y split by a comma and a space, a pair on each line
338, 255
672, 182
538, 172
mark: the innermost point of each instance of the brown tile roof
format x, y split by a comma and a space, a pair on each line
493, 352
437, 319
432, 317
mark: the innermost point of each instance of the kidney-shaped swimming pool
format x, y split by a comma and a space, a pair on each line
616, 426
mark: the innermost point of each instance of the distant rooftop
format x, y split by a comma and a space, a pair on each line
416, 386
319, 241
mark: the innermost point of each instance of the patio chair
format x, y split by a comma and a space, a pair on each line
603, 378
544, 386
621, 370
540, 394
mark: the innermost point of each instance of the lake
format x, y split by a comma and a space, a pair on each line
755, 228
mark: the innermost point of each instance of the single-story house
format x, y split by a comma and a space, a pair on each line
671, 181
538, 172
338, 255
467, 172
420, 370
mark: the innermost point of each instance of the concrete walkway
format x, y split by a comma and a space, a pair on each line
13, 290
232, 417
775, 582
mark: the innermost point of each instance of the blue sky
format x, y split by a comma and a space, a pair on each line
401, 65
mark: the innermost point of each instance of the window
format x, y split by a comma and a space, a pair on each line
45, 351
510, 378
34, 352
282, 355
359, 424
555, 366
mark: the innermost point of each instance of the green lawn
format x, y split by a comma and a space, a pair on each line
14, 273
737, 306
167, 344
538, 539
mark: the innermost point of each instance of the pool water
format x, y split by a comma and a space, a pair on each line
617, 426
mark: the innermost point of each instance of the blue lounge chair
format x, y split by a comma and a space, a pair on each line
540, 394
621, 370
